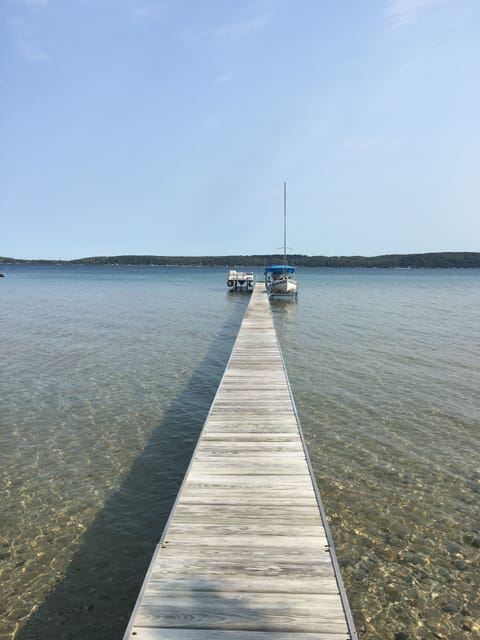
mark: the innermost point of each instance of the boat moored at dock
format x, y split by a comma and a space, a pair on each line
240, 279
279, 281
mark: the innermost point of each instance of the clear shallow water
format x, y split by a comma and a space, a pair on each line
107, 376
385, 369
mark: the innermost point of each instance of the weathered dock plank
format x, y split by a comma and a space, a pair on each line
246, 554
198, 634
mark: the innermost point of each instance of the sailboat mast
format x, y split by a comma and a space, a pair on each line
284, 225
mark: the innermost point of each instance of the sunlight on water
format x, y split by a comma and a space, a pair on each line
108, 374
388, 403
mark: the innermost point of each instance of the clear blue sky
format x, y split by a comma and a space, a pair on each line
168, 127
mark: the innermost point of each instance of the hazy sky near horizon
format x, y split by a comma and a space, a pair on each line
167, 127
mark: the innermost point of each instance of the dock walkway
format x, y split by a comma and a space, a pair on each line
246, 553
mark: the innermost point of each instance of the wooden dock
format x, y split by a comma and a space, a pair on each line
246, 553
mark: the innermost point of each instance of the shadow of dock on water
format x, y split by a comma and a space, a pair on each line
95, 598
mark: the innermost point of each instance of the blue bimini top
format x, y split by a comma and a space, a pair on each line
279, 268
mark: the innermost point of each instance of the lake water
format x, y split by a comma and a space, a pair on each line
108, 374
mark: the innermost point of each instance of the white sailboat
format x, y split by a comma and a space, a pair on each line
278, 278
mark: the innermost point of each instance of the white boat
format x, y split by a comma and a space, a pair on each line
237, 279
279, 281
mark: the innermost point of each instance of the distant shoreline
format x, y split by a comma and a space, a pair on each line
441, 260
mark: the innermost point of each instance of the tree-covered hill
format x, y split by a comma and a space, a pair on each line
451, 259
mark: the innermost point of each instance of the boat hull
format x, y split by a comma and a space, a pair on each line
285, 286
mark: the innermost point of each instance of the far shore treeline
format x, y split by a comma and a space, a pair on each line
452, 259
